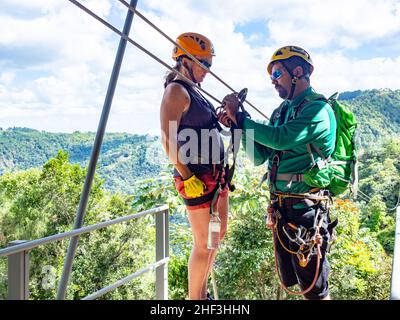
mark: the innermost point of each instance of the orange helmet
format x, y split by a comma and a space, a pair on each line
194, 43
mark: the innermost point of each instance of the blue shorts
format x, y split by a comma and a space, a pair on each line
291, 272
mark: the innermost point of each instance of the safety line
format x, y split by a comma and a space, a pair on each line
398, 202
108, 25
133, 9
365, 196
362, 196
368, 199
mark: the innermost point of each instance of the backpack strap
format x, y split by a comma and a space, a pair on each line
324, 161
308, 99
333, 97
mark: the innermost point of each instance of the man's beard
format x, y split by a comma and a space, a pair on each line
282, 92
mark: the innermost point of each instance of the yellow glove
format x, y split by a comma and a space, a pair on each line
194, 187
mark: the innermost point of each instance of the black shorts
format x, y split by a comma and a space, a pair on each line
290, 270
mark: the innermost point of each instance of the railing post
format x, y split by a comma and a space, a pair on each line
162, 251
61, 293
18, 274
395, 285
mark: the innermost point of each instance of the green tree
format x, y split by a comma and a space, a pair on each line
38, 203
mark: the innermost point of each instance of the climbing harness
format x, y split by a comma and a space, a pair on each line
233, 149
234, 142
308, 240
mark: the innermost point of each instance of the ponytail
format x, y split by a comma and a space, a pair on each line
172, 74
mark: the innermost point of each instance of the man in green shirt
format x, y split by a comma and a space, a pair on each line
301, 133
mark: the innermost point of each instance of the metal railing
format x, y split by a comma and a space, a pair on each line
395, 285
18, 257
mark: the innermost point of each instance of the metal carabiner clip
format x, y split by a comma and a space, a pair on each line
297, 234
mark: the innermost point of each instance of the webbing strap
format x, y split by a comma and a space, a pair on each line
311, 154
300, 196
318, 151
338, 162
290, 178
202, 199
325, 160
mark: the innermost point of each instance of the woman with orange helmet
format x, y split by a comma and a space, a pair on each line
191, 139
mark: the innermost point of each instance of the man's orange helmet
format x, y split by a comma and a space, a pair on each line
194, 43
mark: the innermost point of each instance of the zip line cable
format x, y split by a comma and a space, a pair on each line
398, 202
110, 26
365, 195
367, 198
133, 9
362, 197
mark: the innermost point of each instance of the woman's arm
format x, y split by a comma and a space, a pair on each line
175, 102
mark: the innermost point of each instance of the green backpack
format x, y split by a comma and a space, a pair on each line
339, 171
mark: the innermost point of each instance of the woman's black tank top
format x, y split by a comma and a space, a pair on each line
199, 140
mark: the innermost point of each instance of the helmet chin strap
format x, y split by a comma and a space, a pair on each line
294, 81
293, 87
189, 70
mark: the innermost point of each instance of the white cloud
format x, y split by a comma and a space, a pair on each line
7, 77
56, 60
339, 73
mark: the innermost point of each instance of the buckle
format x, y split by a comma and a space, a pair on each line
275, 159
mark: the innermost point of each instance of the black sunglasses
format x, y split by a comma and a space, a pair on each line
203, 62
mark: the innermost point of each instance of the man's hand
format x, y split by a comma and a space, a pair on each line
224, 119
231, 106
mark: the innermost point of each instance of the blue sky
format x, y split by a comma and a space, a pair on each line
55, 60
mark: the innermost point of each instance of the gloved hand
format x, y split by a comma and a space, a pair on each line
231, 106
194, 187
240, 116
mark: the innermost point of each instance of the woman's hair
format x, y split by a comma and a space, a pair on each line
172, 74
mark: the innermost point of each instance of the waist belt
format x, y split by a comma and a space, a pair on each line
314, 194
203, 199
313, 197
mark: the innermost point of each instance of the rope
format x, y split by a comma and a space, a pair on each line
397, 204
133, 9
303, 292
214, 285
275, 234
108, 25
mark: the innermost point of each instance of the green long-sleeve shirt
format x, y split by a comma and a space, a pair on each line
314, 123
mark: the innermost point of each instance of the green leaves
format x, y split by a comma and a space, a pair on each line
39, 203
